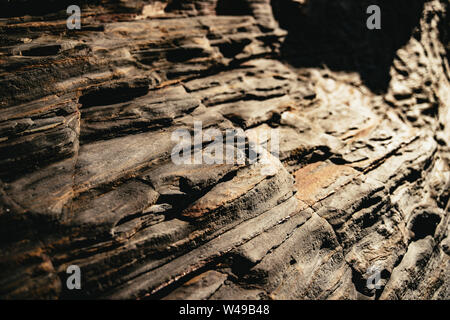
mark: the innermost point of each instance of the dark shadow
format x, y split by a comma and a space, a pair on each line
223, 7
444, 30
334, 33
424, 224
233, 8
18, 8
54, 8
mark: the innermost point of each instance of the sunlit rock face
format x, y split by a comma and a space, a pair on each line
357, 189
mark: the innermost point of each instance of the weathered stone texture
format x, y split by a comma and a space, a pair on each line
362, 180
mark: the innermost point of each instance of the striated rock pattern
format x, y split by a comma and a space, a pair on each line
361, 182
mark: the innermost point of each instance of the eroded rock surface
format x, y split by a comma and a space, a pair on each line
360, 185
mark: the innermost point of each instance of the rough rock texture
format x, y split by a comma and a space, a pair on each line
362, 179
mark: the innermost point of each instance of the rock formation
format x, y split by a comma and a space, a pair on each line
360, 184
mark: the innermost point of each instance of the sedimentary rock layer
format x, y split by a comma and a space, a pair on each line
360, 183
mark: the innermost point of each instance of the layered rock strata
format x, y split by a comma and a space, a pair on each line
360, 183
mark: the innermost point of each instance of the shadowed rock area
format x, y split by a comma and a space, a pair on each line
359, 186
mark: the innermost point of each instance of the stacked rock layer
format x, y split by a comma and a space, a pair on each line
360, 183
